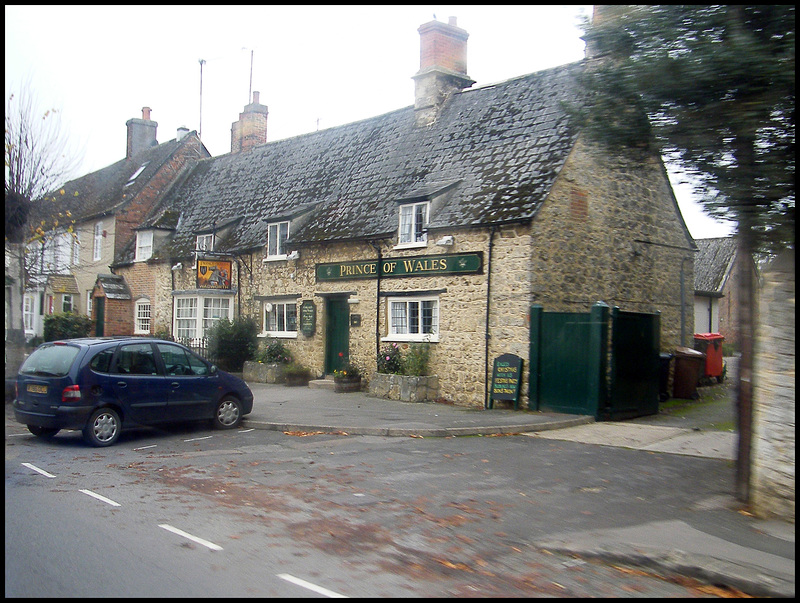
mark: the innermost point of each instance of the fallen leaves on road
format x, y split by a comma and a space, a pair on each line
303, 434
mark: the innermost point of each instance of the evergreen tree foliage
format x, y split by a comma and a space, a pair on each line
711, 87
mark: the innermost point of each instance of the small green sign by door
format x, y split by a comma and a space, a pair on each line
308, 318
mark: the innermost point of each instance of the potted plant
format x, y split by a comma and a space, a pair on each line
268, 364
297, 374
347, 378
404, 376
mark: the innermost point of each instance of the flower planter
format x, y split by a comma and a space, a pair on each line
258, 372
347, 385
404, 387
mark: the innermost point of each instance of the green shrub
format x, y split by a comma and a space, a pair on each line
66, 326
296, 373
273, 353
230, 344
417, 358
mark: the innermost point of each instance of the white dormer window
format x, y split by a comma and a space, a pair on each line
413, 222
144, 245
205, 242
277, 234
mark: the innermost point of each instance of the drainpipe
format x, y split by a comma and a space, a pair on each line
683, 304
492, 230
377, 248
238, 288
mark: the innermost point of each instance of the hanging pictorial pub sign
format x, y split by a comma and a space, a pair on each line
427, 265
213, 274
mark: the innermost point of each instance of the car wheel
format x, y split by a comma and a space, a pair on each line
228, 413
43, 432
103, 427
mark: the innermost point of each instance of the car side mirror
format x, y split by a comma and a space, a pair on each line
212, 369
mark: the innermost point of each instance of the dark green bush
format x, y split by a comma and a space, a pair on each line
230, 344
66, 326
416, 360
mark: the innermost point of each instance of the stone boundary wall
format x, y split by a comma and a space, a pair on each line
773, 456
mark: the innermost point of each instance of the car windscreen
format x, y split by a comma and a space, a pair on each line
50, 361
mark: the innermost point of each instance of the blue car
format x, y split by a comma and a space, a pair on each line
99, 385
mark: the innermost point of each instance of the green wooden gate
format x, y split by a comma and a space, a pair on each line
601, 363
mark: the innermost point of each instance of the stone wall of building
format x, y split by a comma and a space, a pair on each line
773, 451
609, 232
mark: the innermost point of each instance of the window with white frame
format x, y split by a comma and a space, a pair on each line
76, 248
413, 222
214, 310
186, 317
277, 234
413, 318
280, 318
141, 323
144, 245
205, 242
194, 316
89, 303
67, 303
28, 312
98, 241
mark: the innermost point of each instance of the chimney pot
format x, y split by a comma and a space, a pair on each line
141, 134
255, 97
452, 21
442, 68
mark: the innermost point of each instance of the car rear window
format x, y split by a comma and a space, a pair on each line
50, 361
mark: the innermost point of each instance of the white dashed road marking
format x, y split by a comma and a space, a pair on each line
101, 498
312, 587
206, 543
35, 468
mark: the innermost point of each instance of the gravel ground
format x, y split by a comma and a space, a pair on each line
715, 409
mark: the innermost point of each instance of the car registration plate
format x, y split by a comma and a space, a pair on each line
37, 389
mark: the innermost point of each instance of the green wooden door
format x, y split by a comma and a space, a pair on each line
337, 333
100, 316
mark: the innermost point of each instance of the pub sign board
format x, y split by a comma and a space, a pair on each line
428, 265
213, 274
308, 318
506, 379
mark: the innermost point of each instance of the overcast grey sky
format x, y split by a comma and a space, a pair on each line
314, 66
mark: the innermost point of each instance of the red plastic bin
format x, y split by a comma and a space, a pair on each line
711, 345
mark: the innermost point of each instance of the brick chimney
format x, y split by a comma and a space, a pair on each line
442, 68
251, 129
141, 134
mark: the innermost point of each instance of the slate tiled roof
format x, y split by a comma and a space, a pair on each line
62, 283
713, 264
113, 286
105, 191
498, 148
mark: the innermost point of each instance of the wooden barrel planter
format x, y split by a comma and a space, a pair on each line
347, 385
